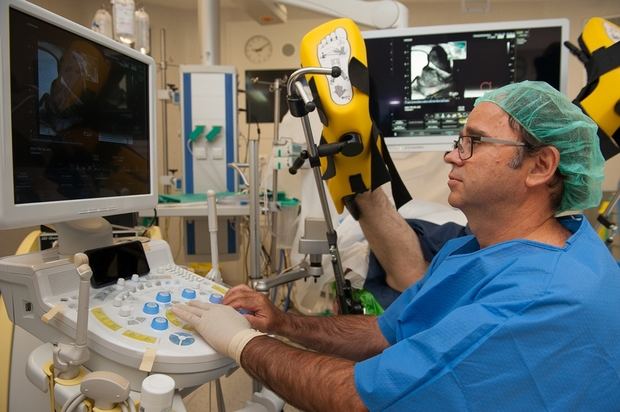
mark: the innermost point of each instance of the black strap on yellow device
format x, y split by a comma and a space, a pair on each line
363, 163
599, 51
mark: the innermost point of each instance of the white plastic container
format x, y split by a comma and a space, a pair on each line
122, 14
143, 31
157, 393
102, 22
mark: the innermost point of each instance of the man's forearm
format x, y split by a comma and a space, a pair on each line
391, 239
355, 337
306, 380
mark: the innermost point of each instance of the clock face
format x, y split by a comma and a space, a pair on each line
258, 49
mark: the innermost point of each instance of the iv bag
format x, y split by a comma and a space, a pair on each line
102, 22
143, 35
122, 11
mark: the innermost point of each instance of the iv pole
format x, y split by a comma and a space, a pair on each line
273, 206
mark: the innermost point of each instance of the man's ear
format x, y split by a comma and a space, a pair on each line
542, 166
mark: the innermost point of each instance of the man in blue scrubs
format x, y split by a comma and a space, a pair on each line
524, 314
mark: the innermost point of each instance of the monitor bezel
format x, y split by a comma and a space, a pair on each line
31, 214
441, 143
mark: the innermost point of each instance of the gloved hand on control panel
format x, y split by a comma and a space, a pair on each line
221, 326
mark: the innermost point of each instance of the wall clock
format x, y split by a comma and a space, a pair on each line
258, 49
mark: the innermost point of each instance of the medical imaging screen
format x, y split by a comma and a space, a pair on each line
426, 85
80, 116
260, 94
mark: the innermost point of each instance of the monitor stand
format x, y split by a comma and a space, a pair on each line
83, 234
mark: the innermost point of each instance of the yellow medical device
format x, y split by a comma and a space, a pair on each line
599, 51
343, 106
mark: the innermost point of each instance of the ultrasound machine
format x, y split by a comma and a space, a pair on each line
78, 142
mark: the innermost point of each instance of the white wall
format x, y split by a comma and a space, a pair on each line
424, 13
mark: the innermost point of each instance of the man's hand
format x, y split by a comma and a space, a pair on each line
221, 326
263, 315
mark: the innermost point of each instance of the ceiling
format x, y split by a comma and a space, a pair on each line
231, 4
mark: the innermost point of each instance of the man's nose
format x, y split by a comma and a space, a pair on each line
452, 156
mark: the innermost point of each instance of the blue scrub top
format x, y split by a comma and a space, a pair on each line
519, 325
431, 236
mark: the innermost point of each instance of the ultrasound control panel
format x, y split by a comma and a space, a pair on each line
136, 312
130, 322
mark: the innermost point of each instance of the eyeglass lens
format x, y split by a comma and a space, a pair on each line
464, 145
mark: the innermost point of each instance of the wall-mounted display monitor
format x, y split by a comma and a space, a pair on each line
259, 95
424, 80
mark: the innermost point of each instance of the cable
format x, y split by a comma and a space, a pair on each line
73, 402
153, 220
236, 167
51, 379
189, 147
246, 269
287, 301
177, 253
128, 405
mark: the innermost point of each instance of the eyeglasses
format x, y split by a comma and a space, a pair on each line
465, 144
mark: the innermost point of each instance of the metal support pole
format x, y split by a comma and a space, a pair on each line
273, 206
331, 232
163, 67
254, 241
300, 105
209, 30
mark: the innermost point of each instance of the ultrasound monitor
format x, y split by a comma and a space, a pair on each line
77, 126
424, 80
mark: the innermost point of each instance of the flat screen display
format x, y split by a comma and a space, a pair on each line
424, 84
111, 263
80, 116
259, 95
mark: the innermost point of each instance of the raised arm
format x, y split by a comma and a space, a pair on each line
354, 337
391, 239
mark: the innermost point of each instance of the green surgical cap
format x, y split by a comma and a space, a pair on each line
553, 120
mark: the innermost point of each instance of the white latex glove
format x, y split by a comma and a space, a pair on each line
225, 329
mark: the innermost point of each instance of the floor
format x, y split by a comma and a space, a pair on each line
237, 389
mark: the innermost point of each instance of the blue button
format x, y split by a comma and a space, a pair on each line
216, 298
181, 338
151, 308
159, 323
188, 294
187, 341
163, 297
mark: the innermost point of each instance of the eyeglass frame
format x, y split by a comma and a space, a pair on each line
482, 139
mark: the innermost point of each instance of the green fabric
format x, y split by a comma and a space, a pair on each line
193, 197
369, 303
553, 120
183, 198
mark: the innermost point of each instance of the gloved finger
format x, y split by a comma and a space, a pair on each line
186, 314
201, 305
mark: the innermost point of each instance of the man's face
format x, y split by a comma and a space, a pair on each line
486, 180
